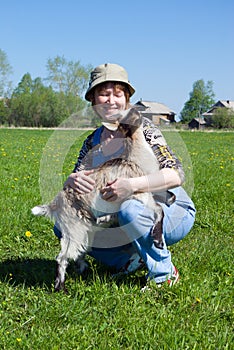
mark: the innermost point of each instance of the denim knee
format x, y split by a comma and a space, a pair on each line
128, 210
135, 218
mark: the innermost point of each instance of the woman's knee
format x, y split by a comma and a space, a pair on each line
175, 232
135, 218
128, 210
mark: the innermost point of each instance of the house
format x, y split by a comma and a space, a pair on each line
197, 123
157, 112
220, 104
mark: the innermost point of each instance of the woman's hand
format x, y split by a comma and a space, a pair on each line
81, 182
117, 190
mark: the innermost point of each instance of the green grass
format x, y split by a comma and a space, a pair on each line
100, 312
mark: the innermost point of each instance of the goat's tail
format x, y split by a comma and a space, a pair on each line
41, 210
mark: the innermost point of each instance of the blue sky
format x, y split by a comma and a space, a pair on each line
165, 45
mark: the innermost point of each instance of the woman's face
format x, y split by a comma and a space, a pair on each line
109, 99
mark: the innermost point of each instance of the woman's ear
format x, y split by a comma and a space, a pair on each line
91, 98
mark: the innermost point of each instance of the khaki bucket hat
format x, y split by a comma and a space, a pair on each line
108, 72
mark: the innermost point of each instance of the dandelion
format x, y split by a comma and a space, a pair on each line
198, 300
28, 234
16, 178
19, 340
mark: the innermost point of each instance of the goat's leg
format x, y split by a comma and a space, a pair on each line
81, 266
60, 275
157, 232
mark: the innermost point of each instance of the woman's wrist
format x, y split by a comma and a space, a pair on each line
138, 184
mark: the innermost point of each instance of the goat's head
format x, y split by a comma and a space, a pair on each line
130, 121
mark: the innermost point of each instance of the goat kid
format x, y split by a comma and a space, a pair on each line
76, 215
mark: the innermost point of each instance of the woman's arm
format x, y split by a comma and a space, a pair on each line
122, 188
159, 181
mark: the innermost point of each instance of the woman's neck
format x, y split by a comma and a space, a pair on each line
111, 141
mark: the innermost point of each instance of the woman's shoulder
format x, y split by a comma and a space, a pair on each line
152, 133
93, 137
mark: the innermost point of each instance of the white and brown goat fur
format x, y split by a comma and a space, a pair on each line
76, 214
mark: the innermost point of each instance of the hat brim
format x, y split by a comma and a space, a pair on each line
88, 92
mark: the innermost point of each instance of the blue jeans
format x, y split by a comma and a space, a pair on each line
136, 222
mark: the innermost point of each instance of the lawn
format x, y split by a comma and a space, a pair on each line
101, 312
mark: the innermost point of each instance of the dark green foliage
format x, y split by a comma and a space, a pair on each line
223, 118
33, 104
201, 99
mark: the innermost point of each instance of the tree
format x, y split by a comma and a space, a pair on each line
223, 118
201, 99
4, 110
5, 71
34, 104
67, 76
25, 86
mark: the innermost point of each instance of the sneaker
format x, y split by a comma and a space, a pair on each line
172, 280
174, 277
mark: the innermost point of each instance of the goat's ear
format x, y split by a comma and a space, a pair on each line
40, 210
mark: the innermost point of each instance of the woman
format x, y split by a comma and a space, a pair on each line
109, 92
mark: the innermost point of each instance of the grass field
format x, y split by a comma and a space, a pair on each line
101, 312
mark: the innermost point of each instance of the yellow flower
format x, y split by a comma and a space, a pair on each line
28, 234
18, 339
198, 300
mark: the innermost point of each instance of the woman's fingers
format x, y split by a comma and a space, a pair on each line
81, 181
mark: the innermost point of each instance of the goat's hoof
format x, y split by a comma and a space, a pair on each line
60, 288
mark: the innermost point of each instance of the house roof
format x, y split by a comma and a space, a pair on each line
201, 121
155, 107
228, 103
224, 103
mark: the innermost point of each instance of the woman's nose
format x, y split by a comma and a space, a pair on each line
110, 99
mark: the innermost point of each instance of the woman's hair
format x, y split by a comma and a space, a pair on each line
117, 86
